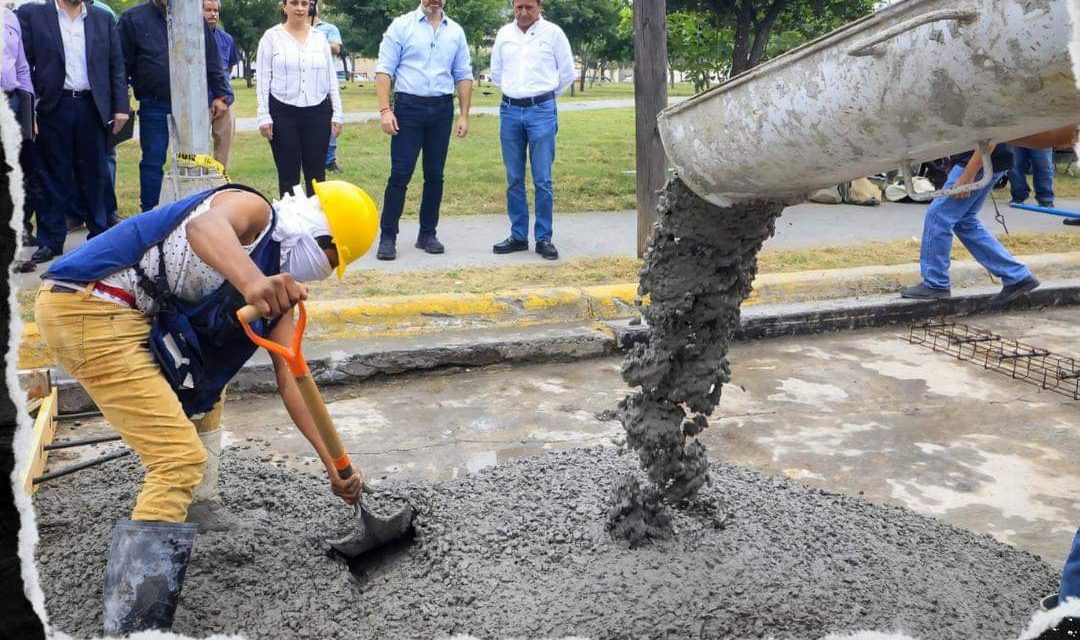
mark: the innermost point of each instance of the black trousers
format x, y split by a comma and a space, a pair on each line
301, 137
71, 145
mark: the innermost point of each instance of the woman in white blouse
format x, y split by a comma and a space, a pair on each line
298, 100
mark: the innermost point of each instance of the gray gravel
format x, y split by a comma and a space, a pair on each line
522, 550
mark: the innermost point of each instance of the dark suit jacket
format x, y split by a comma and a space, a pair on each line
45, 54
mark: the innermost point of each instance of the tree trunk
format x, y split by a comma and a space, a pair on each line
249, 72
762, 31
741, 54
584, 72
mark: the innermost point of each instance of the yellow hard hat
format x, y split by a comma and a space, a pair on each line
353, 219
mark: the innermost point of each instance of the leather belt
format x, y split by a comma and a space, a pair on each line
69, 93
425, 100
110, 290
529, 102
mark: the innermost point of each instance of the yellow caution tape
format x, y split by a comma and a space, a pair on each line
204, 161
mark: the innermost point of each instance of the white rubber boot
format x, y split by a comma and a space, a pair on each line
206, 509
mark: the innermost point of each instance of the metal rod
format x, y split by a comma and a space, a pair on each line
1034, 353
67, 444
975, 339
82, 465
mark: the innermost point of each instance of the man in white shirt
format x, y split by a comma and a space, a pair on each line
532, 64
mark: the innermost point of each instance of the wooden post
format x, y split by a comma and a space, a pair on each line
190, 122
650, 97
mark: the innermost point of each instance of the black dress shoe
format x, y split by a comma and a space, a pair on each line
430, 244
922, 291
1072, 222
28, 239
44, 254
547, 250
511, 245
387, 249
332, 167
1014, 291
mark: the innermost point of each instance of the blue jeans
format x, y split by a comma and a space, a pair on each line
960, 216
421, 127
331, 151
533, 130
1040, 164
154, 140
1070, 575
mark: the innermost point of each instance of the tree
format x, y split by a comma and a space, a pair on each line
586, 23
246, 21
697, 48
753, 22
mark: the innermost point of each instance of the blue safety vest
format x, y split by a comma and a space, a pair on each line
199, 345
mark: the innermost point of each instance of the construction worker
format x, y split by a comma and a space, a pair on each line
143, 316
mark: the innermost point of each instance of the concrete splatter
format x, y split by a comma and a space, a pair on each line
520, 550
697, 272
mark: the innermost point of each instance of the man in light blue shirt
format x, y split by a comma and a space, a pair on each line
333, 36
425, 55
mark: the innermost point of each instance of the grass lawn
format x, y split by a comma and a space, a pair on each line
593, 168
360, 98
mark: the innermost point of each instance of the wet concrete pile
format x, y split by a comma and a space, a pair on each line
521, 550
697, 272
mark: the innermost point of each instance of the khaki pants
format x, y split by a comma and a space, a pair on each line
223, 129
104, 346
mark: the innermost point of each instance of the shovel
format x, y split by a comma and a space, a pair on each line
371, 530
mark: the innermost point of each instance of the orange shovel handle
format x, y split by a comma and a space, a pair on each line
292, 355
294, 358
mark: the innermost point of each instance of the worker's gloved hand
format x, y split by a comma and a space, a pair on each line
274, 295
348, 490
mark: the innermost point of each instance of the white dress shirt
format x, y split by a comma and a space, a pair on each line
298, 74
73, 35
531, 63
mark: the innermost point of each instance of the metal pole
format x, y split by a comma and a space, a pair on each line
650, 97
190, 122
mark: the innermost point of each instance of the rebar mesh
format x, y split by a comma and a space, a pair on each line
1018, 360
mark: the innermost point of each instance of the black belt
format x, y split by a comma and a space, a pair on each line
426, 100
68, 93
529, 102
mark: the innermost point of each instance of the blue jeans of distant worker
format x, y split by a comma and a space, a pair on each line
1040, 164
423, 125
960, 216
533, 130
331, 150
1070, 575
154, 140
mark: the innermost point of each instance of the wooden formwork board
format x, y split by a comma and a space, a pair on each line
44, 429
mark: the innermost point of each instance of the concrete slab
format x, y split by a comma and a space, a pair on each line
862, 413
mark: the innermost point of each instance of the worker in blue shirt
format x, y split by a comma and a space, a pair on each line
145, 40
425, 54
222, 127
333, 36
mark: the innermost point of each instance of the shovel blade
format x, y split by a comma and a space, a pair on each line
372, 532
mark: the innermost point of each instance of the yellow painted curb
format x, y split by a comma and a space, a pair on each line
408, 315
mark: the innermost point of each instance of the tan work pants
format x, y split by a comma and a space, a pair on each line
223, 130
104, 346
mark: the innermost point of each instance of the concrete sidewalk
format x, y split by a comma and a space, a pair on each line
468, 239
